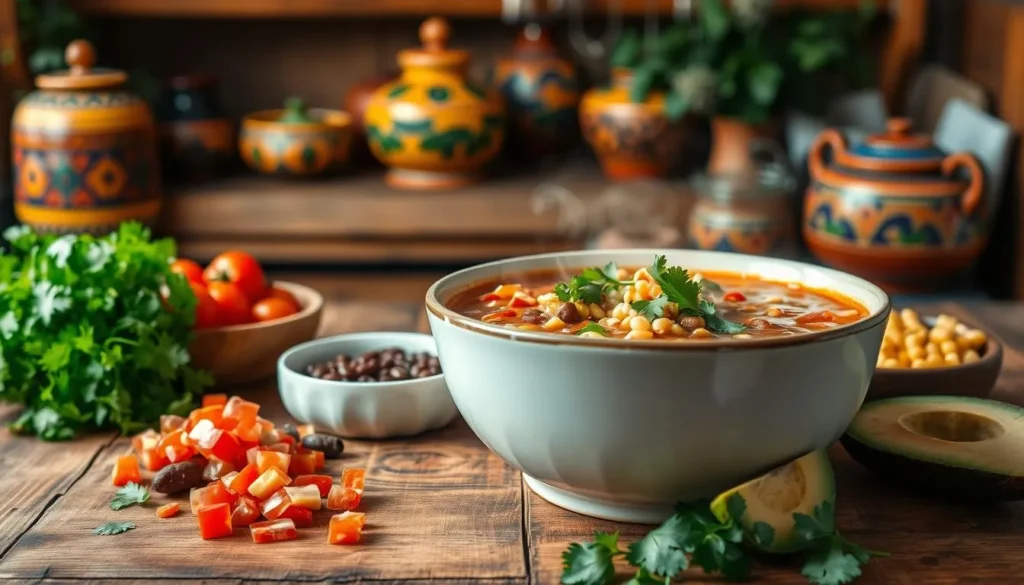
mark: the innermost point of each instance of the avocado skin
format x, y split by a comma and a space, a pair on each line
954, 482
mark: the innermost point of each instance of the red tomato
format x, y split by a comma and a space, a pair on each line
271, 309
279, 293
734, 297
240, 269
191, 270
232, 305
206, 308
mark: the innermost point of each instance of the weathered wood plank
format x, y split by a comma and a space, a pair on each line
440, 507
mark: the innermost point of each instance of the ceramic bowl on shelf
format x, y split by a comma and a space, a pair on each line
366, 410
975, 379
239, 354
272, 146
624, 429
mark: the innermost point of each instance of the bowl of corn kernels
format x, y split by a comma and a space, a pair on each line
934, 355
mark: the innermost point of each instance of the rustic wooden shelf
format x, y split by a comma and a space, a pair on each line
365, 8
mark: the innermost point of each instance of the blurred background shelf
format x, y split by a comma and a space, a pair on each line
371, 8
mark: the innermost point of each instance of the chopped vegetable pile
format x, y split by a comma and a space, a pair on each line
94, 331
239, 468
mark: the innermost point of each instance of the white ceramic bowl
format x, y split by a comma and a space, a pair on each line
623, 429
366, 410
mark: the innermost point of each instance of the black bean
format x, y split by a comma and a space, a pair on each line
569, 313
534, 316
331, 376
290, 430
690, 322
365, 378
331, 445
178, 477
383, 365
399, 373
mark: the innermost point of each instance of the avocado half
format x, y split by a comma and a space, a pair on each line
796, 487
963, 447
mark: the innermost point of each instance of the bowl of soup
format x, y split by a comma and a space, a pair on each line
621, 382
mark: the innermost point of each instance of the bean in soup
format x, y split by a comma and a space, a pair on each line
655, 302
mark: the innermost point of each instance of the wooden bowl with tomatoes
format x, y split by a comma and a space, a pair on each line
244, 322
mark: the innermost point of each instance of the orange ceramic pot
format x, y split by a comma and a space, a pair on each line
84, 150
632, 140
748, 213
893, 209
542, 94
733, 144
432, 127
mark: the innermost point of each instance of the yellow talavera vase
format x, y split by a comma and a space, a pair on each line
84, 150
432, 127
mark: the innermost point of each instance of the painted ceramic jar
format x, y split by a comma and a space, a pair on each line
317, 142
356, 99
748, 213
432, 127
631, 140
84, 151
197, 140
542, 94
894, 209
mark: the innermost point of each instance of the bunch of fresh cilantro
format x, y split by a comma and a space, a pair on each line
693, 537
94, 332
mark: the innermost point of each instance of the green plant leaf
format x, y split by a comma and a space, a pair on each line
676, 105
130, 494
764, 81
111, 528
627, 50
587, 564
714, 17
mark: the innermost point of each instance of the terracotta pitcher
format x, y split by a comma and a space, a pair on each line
893, 209
85, 150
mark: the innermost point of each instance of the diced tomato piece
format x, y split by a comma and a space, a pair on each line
245, 511
284, 437
214, 414
499, 315
305, 430
320, 462
168, 510
148, 439
174, 438
250, 455
214, 493
226, 447
275, 505
215, 521
267, 459
302, 464
126, 470
269, 482
240, 483
154, 459
818, 317
187, 425
307, 496
489, 297
273, 531
354, 478
734, 297
216, 469
346, 528
170, 423
241, 410
343, 498
302, 517
202, 433
505, 291
322, 483
249, 432
214, 400
521, 300
177, 453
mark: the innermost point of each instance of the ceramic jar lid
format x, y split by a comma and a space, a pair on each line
434, 54
80, 56
534, 41
896, 150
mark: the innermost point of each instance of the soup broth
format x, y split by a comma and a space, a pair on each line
633, 304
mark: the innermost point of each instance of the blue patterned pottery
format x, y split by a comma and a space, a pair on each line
895, 209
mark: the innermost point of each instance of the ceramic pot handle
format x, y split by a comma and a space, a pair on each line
816, 156
975, 192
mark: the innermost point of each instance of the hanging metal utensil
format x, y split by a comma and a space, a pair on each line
593, 48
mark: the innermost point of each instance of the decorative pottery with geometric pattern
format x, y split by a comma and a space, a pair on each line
631, 140
542, 94
432, 127
895, 209
84, 151
749, 213
274, 147
197, 140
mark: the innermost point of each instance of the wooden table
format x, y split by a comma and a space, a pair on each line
442, 509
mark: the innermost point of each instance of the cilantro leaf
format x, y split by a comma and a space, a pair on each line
663, 550
716, 323
563, 292
736, 506
611, 271
132, 493
587, 564
590, 285
609, 540
592, 327
113, 528
651, 309
820, 525
763, 533
676, 284
642, 577
829, 565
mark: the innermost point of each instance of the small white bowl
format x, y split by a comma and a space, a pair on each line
363, 410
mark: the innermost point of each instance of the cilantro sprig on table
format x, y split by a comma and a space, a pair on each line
693, 537
677, 287
128, 495
94, 332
